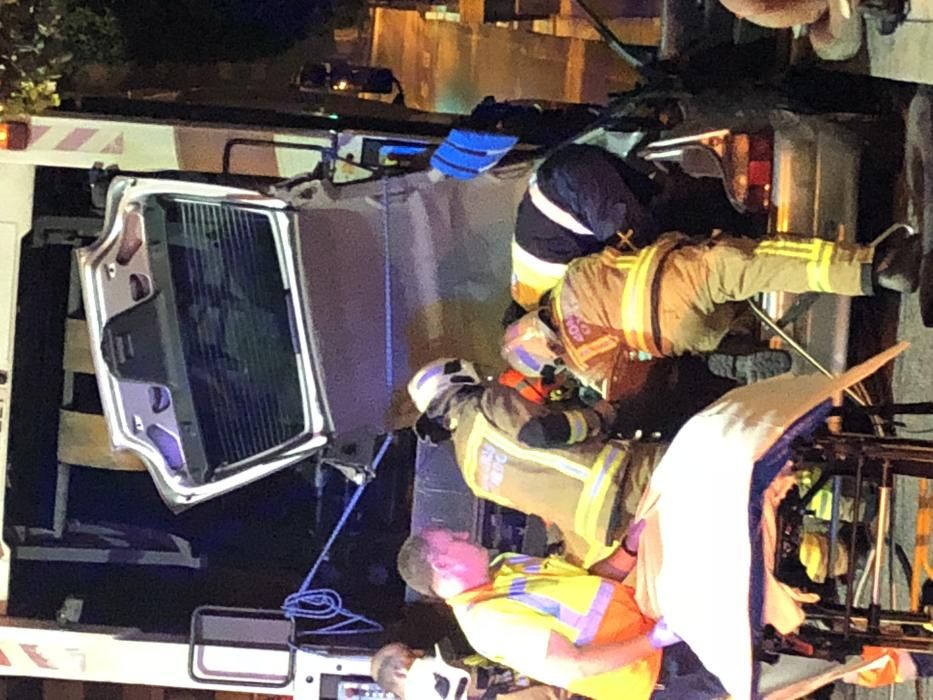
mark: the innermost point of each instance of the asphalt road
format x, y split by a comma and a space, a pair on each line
913, 378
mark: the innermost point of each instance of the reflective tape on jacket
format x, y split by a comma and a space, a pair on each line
625, 287
532, 276
482, 431
579, 429
638, 305
552, 211
578, 624
598, 484
575, 601
577, 487
818, 254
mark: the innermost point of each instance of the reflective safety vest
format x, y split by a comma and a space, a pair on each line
605, 308
532, 276
529, 388
589, 490
553, 595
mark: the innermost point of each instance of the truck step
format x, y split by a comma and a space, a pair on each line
83, 440
77, 357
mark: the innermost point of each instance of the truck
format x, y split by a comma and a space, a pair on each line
214, 315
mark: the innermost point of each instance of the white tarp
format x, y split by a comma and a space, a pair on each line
695, 555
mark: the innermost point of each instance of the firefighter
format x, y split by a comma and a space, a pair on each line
677, 297
834, 26
551, 621
540, 459
583, 198
580, 199
413, 675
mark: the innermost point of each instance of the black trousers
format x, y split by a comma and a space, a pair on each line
683, 677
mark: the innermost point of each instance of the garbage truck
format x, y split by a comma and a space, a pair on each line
208, 320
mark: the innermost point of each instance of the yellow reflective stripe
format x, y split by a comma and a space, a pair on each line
808, 244
593, 495
578, 427
545, 458
578, 623
826, 263
471, 460
618, 259
802, 250
531, 276
813, 275
635, 296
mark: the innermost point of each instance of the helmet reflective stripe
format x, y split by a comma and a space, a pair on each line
429, 375
526, 358
439, 377
529, 345
549, 209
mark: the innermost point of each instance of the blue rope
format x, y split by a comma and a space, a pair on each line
387, 285
324, 603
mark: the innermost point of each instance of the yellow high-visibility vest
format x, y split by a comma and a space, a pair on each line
553, 595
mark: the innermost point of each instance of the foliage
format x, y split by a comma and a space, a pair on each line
93, 34
32, 57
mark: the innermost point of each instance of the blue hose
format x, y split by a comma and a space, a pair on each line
324, 604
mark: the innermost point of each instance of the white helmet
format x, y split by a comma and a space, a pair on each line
431, 677
439, 377
531, 346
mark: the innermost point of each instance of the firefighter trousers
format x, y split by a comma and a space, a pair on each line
700, 285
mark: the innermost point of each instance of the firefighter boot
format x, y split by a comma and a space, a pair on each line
896, 263
749, 367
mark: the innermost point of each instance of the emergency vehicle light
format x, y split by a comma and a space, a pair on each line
14, 136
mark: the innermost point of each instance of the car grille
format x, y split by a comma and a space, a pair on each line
235, 324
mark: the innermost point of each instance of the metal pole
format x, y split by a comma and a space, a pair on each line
850, 577
892, 588
60, 512
834, 527
783, 335
884, 502
863, 579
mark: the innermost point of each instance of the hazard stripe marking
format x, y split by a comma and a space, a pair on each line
115, 146
76, 139
32, 651
36, 133
4, 660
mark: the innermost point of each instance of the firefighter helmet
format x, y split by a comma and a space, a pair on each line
532, 347
431, 677
440, 377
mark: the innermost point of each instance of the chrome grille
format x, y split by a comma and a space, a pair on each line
235, 323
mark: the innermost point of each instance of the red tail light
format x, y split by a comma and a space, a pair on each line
14, 136
748, 162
